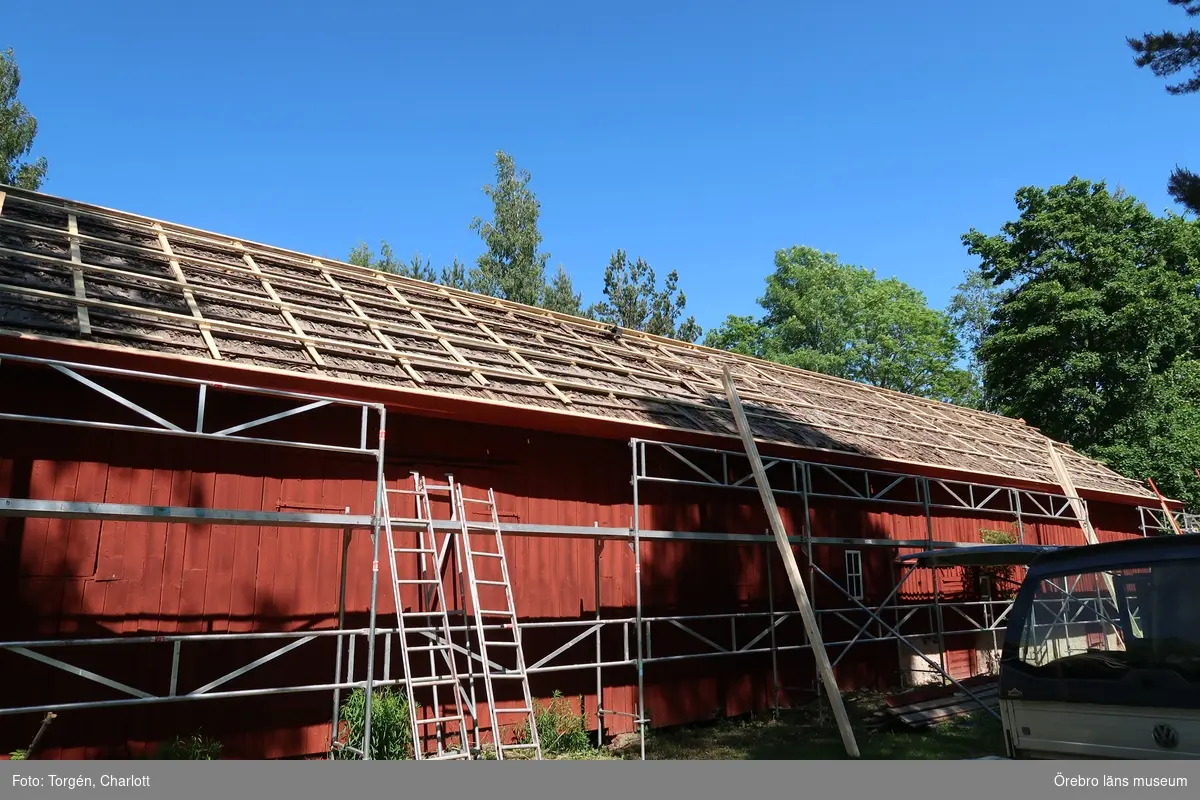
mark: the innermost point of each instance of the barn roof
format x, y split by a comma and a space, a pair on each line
79, 272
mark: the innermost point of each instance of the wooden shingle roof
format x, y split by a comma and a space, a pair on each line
83, 273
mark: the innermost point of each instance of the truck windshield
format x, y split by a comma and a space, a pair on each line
1100, 625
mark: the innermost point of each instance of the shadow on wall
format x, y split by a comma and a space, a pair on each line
83, 578
748, 579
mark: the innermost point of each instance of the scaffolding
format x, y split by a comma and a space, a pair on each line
1153, 521
890, 621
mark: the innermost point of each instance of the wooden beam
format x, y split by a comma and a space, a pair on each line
188, 296
438, 336
287, 315
516, 356
81, 310
793, 570
1068, 486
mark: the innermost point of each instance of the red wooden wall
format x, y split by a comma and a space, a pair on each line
63, 578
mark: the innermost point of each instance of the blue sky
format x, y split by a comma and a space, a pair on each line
702, 136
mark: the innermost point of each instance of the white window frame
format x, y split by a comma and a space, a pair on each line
854, 574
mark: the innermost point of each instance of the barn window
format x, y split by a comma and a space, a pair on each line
854, 574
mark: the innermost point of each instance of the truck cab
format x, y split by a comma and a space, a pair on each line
1101, 654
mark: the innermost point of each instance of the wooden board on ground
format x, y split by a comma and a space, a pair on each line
929, 692
928, 711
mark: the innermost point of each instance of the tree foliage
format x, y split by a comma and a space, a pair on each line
1095, 343
970, 310
18, 129
560, 295
1167, 54
633, 300
512, 267
843, 320
386, 261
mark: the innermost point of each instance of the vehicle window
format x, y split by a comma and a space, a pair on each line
1099, 625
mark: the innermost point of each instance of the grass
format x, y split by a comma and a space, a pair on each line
811, 734
196, 747
391, 731
801, 734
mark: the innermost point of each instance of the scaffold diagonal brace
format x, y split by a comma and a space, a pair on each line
80, 671
696, 635
254, 423
766, 631
896, 590
574, 641
237, 673
689, 463
110, 394
904, 640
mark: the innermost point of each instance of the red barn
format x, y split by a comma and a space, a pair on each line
192, 446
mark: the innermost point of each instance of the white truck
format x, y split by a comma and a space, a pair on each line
1101, 653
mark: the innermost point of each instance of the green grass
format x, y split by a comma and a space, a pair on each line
806, 734
799, 734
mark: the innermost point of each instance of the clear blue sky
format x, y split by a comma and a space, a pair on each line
702, 136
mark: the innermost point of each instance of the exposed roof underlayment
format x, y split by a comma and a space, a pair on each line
81, 273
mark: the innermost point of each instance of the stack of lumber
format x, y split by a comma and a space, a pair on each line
928, 706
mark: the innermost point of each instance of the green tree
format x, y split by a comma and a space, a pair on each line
634, 301
18, 129
1168, 54
1160, 437
1095, 343
970, 311
560, 295
512, 267
363, 256
455, 275
843, 320
747, 336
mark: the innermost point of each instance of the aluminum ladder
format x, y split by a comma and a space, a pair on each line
429, 627
481, 555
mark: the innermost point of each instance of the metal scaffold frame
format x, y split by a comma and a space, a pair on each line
794, 477
90, 376
637, 650
1153, 521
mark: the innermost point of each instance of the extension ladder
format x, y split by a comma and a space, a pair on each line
430, 627
492, 598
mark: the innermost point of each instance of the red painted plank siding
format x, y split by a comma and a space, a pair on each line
83, 578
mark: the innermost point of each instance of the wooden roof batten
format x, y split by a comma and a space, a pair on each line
143, 284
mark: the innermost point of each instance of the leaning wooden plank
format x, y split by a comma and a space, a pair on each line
793, 570
1162, 502
1068, 487
1081, 514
